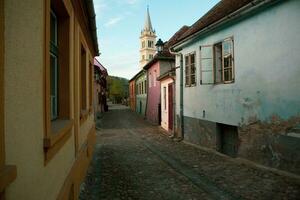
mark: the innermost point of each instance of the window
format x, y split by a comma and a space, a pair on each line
57, 78
142, 87
143, 57
91, 86
190, 70
227, 71
165, 98
150, 44
83, 79
217, 63
150, 56
145, 83
53, 65
143, 44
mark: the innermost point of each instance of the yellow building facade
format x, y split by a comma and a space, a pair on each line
47, 129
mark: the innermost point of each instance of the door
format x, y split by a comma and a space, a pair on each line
140, 107
170, 106
229, 140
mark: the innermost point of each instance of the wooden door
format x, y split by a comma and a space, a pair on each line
170, 106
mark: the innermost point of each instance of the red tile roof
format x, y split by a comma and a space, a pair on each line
219, 11
173, 40
165, 54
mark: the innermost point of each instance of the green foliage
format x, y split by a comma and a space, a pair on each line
117, 88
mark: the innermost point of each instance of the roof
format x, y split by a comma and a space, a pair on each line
165, 54
137, 75
219, 11
168, 74
100, 66
148, 24
92, 23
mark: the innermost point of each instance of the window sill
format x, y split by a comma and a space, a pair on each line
59, 134
59, 128
8, 174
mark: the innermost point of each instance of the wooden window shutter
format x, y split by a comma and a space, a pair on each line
206, 65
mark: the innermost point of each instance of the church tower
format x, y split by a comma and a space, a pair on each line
147, 40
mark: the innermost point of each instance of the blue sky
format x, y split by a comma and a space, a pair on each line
119, 24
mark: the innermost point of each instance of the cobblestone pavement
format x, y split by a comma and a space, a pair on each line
136, 160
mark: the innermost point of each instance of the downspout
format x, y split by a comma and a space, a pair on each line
181, 137
174, 104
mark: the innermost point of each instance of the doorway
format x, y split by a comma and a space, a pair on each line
140, 107
228, 139
170, 106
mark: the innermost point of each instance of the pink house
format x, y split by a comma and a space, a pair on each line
160, 64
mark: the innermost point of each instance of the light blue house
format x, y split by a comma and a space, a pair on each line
238, 81
140, 91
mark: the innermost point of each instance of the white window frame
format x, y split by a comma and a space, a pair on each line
189, 67
213, 67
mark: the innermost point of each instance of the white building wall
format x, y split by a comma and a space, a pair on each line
267, 70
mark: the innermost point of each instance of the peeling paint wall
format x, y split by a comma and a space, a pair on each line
266, 59
273, 143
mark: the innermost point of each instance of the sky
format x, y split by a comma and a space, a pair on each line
119, 25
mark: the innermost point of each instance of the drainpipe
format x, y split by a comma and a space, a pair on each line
181, 137
174, 104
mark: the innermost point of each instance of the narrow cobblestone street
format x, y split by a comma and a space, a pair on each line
136, 160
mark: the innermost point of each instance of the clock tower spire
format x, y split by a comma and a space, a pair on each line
147, 41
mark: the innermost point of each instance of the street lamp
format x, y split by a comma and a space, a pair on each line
159, 45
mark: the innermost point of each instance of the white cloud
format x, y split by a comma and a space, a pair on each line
113, 21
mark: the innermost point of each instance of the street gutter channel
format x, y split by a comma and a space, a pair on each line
200, 181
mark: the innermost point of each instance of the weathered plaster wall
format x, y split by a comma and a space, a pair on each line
153, 93
165, 111
274, 140
266, 53
166, 66
24, 126
24, 106
84, 130
266, 70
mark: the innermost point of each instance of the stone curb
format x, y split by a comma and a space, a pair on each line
247, 162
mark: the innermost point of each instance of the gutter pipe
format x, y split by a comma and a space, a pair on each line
181, 137
92, 24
